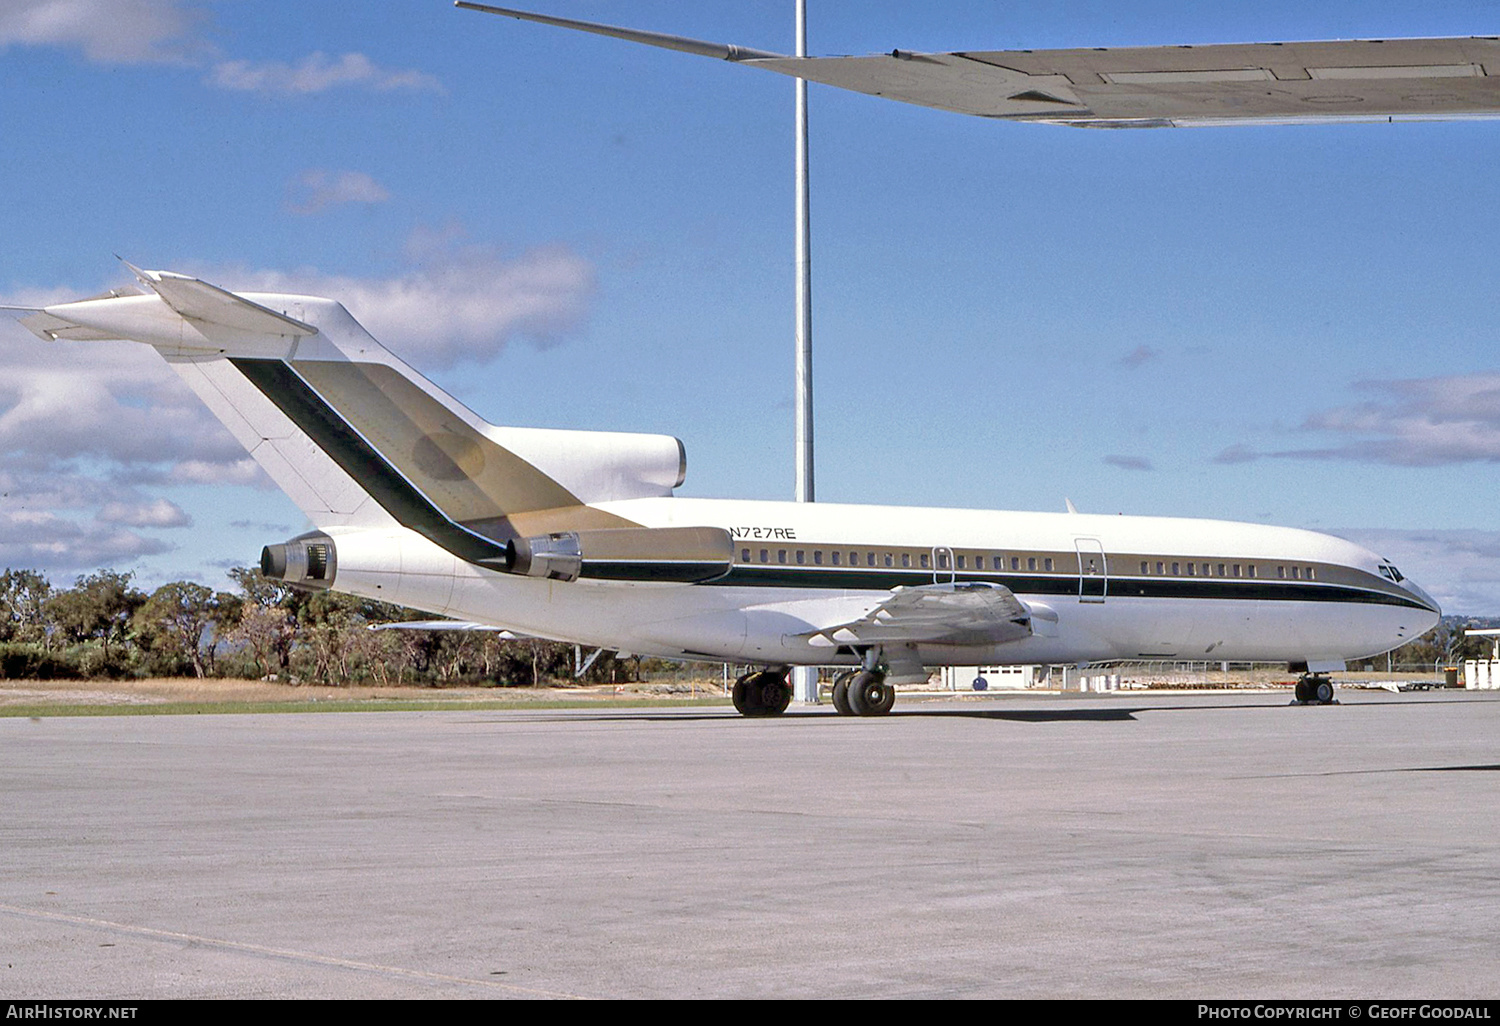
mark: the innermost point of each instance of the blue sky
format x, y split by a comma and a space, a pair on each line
1290, 325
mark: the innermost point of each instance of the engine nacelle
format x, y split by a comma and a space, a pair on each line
669, 554
307, 561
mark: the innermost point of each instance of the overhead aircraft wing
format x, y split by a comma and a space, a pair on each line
1148, 86
968, 613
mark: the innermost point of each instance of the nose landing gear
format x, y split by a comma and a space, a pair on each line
1314, 689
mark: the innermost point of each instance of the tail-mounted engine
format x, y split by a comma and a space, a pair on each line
307, 561
674, 554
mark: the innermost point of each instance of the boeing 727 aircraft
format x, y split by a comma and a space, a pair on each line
578, 536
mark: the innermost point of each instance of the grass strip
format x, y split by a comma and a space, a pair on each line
40, 710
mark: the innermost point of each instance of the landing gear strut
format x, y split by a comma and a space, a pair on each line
766, 693
1314, 689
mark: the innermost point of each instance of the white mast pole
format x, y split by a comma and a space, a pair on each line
804, 678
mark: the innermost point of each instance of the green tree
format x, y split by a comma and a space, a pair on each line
177, 621
98, 607
23, 600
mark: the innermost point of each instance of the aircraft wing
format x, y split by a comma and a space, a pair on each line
1148, 86
969, 613
445, 625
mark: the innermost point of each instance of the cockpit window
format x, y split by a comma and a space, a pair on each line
1389, 572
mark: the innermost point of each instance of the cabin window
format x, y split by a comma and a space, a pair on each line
1310, 574
889, 559
1160, 567
1047, 565
801, 557
744, 555
781, 555
1030, 562
765, 555
924, 561
1176, 569
835, 557
906, 559
1236, 570
1250, 570
1145, 567
960, 562
818, 557
854, 559
999, 563
870, 559
1192, 569
1296, 573
1221, 569
1015, 562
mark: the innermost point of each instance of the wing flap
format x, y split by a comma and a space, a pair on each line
970, 613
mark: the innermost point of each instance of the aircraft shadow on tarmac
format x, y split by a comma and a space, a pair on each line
1058, 715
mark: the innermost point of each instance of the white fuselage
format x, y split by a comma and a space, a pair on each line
1098, 587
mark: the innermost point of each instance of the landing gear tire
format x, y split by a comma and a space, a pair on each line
841, 692
1314, 689
762, 694
870, 695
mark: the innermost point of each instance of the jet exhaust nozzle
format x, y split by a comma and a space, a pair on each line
307, 561
557, 557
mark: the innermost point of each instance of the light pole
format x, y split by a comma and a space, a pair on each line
804, 678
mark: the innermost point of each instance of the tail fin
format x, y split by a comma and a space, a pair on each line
356, 437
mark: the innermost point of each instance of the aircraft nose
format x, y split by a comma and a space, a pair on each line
1422, 596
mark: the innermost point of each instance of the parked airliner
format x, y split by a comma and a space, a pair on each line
578, 536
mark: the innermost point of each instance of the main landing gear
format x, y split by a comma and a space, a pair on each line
863, 693
766, 693
1314, 689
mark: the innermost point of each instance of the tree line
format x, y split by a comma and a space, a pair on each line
105, 627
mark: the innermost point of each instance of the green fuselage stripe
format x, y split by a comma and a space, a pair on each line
329, 432
834, 578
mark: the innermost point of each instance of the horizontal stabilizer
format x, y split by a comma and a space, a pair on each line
50, 328
201, 301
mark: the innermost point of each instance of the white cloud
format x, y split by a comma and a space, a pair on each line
315, 190
89, 429
112, 401
107, 31
316, 73
61, 520
459, 303
149, 513
1459, 568
170, 32
1418, 422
